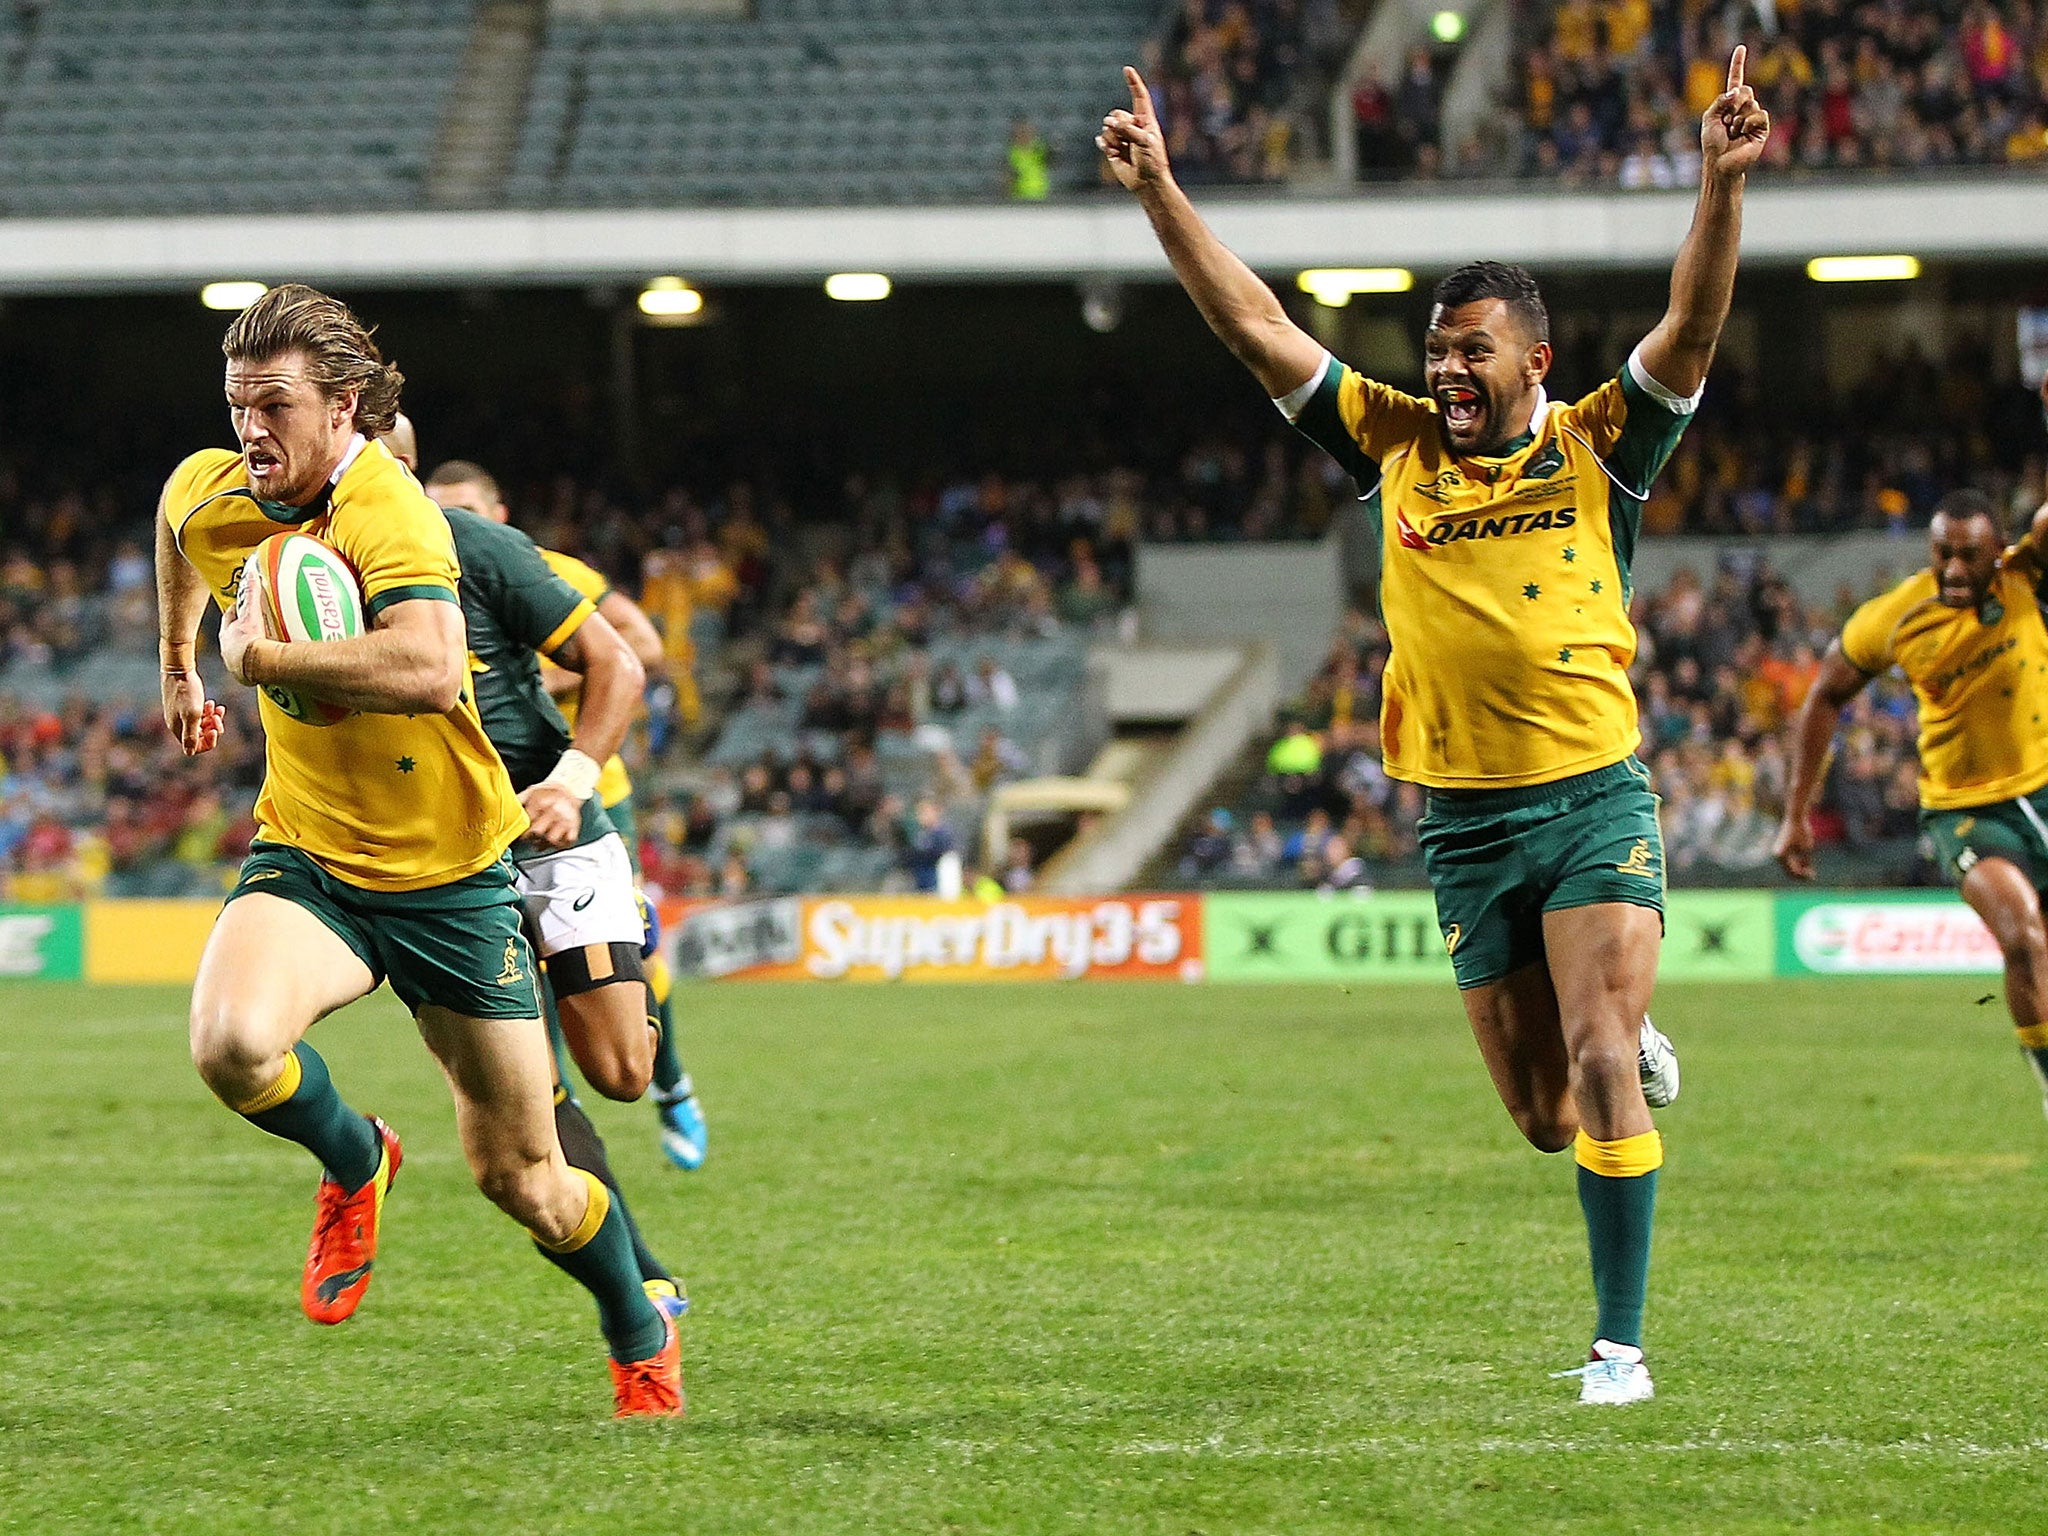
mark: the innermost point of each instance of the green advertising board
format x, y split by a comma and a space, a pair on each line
1717, 936
1306, 936
41, 943
1393, 936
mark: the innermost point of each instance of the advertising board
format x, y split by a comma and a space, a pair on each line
1393, 936
921, 938
41, 943
1880, 933
1306, 936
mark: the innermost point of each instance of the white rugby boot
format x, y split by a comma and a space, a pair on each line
1657, 1065
1614, 1376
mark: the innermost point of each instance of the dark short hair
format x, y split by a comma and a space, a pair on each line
1960, 506
1496, 280
339, 352
462, 472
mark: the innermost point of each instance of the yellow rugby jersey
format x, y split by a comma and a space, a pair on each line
1979, 675
1504, 582
614, 783
384, 802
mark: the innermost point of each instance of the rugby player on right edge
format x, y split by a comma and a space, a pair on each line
1507, 523
1968, 634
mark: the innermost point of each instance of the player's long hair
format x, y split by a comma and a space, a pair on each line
339, 350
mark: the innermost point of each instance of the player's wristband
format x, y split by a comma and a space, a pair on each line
577, 772
175, 657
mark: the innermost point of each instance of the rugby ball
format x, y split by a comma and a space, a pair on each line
305, 591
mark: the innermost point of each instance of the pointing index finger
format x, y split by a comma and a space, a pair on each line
1735, 63
1141, 98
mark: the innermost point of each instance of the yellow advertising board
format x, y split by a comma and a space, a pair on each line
146, 940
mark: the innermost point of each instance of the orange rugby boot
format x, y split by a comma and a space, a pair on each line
651, 1388
344, 1246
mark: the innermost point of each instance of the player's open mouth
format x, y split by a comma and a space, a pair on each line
259, 462
1462, 408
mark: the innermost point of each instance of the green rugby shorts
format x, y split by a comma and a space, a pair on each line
458, 946
2008, 829
1499, 859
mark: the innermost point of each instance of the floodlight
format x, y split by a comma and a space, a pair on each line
670, 298
232, 295
1862, 269
857, 287
1334, 286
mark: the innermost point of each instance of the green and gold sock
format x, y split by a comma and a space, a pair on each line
302, 1106
584, 1149
2034, 1041
1618, 1193
598, 1255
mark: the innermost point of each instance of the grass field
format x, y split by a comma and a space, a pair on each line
1091, 1258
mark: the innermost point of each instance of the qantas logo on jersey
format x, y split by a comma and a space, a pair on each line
1454, 530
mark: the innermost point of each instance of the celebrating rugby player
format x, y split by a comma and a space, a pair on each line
1507, 522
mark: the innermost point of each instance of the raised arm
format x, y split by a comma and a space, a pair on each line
1840, 680
1679, 351
412, 662
189, 714
1240, 309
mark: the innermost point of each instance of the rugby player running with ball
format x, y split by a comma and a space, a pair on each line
1506, 524
381, 839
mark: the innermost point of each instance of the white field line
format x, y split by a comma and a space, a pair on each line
1925, 1447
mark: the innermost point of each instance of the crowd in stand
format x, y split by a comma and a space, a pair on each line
825, 618
852, 667
1877, 458
1239, 83
1612, 91
1615, 89
97, 798
1724, 660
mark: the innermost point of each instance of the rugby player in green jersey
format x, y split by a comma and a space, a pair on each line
571, 868
459, 483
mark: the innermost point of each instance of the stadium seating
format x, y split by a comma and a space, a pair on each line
192, 105
826, 101
120, 106
189, 105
